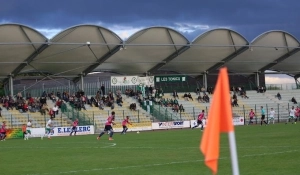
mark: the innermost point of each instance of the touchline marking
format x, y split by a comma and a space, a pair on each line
109, 145
113, 146
157, 164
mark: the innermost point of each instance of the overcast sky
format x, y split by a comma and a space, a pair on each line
191, 18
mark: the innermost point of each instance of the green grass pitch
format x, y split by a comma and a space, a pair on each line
263, 150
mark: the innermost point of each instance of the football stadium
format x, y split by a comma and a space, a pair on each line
88, 102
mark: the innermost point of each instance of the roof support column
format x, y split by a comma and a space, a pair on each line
297, 83
81, 82
257, 78
11, 85
69, 86
205, 80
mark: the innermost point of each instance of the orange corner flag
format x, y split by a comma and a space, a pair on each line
219, 120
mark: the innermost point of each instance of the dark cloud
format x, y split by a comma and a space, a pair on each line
250, 18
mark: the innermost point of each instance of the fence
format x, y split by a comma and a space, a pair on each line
191, 113
38, 121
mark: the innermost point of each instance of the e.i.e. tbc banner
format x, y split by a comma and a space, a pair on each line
81, 130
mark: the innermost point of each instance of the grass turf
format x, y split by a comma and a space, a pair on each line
262, 150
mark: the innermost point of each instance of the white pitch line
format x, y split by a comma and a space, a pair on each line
62, 147
157, 164
113, 146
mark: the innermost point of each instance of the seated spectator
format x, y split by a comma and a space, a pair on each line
175, 102
175, 108
132, 106
160, 92
206, 98
55, 110
294, 100
43, 110
190, 96
112, 105
278, 96
51, 113
235, 103
101, 104
19, 107
197, 91
185, 96
200, 99
175, 94
234, 96
181, 109
243, 94
119, 101
25, 107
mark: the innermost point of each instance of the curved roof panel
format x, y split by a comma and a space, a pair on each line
18, 42
207, 50
264, 50
74, 50
144, 50
85, 48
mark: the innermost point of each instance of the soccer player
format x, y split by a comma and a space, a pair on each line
24, 131
251, 116
108, 126
28, 131
3, 131
292, 116
74, 128
271, 116
263, 116
49, 128
199, 120
124, 124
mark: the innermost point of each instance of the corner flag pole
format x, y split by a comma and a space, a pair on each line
233, 153
219, 120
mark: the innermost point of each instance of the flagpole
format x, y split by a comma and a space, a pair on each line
233, 153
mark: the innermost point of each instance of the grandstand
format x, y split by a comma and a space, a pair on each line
84, 57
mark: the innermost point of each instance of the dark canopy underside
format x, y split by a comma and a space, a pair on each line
82, 49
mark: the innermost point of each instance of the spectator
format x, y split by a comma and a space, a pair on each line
190, 96
278, 96
103, 89
235, 103
175, 94
51, 113
206, 98
197, 91
185, 96
55, 110
25, 107
43, 110
175, 108
294, 100
181, 109
200, 99
243, 94
150, 89
132, 106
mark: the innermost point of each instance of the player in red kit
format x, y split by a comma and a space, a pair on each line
3, 131
199, 120
124, 124
74, 127
108, 126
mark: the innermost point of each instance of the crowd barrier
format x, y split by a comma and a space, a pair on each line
90, 129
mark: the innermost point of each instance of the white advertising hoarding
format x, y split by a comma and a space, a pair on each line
131, 80
81, 130
236, 121
172, 124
